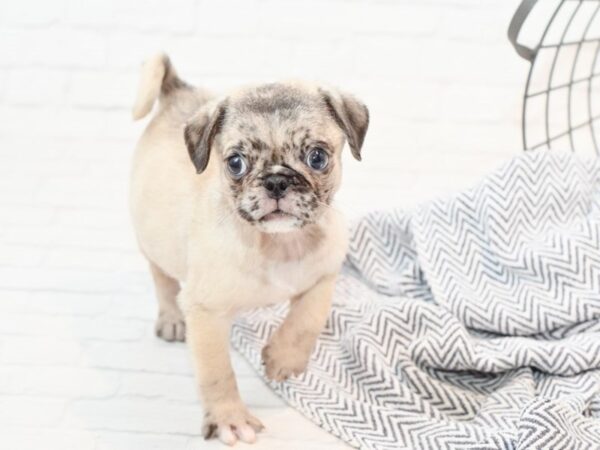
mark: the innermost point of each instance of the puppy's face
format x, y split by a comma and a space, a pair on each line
278, 147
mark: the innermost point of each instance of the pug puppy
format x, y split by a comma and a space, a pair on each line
231, 203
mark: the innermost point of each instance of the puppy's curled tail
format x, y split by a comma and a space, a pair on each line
158, 78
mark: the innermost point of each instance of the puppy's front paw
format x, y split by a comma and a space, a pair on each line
282, 361
170, 326
231, 423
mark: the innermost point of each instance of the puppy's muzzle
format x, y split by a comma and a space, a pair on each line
277, 185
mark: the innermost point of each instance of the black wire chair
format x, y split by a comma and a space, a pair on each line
561, 108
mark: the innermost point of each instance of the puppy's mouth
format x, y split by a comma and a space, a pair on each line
277, 214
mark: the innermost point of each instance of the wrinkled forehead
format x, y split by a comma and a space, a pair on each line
278, 115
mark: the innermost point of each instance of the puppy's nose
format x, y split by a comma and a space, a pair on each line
276, 185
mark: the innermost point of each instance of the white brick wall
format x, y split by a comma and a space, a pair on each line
79, 365
439, 75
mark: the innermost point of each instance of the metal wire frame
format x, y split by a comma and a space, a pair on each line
531, 54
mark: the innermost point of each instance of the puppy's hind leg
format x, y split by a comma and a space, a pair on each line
170, 324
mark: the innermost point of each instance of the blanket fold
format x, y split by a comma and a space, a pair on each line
471, 322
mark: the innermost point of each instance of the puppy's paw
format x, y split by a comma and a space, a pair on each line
282, 361
231, 423
170, 326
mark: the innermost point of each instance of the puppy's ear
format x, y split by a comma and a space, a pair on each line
200, 132
352, 117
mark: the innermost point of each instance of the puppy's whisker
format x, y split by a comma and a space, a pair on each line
344, 208
333, 208
224, 215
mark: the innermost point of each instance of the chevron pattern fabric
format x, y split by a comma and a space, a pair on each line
472, 322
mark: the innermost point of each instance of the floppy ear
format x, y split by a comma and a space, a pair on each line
200, 132
352, 117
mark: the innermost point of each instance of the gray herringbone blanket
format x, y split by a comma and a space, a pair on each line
470, 322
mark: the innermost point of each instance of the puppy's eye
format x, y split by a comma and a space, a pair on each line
237, 165
317, 159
